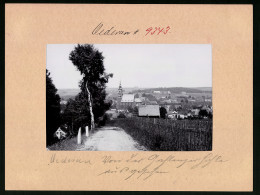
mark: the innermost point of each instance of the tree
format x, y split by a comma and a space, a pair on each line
76, 113
203, 113
121, 115
163, 112
130, 109
52, 109
210, 115
136, 111
89, 61
149, 97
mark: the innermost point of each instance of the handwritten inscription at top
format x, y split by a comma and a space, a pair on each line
100, 29
157, 30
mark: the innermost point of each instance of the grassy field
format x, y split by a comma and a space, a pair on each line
162, 135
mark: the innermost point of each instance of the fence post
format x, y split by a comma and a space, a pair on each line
87, 133
79, 136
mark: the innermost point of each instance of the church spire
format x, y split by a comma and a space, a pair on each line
120, 91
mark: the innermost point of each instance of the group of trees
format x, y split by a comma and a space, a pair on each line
205, 113
89, 105
163, 112
53, 117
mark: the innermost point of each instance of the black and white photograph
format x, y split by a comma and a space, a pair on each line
129, 97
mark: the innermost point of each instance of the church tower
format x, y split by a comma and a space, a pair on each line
119, 97
120, 91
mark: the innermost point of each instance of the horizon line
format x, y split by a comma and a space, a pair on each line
142, 87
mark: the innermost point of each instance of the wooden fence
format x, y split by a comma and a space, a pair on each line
175, 135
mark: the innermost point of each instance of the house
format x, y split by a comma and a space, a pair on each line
207, 108
128, 98
195, 112
166, 92
60, 134
191, 100
166, 101
126, 101
149, 111
138, 101
170, 116
182, 114
174, 100
142, 99
152, 103
173, 115
161, 94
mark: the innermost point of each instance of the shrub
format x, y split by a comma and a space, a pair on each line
121, 115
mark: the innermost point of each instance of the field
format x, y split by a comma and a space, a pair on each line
169, 135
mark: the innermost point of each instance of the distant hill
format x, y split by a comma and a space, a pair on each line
204, 88
177, 89
66, 94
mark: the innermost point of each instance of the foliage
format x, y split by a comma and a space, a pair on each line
210, 115
89, 61
136, 110
121, 115
76, 113
67, 144
149, 97
163, 112
105, 119
52, 109
130, 109
203, 113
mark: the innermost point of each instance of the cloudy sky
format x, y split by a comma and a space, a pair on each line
139, 65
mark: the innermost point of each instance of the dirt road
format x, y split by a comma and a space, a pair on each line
111, 139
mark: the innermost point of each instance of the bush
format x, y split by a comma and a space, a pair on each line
105, 119
52, 110
121, 115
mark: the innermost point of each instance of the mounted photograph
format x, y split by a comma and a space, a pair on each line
129, 97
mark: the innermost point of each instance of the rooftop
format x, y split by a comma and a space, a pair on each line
128, 98
138, 100
149, 110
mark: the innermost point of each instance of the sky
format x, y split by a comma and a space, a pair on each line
138, 65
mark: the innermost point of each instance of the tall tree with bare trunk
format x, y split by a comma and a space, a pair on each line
90, 62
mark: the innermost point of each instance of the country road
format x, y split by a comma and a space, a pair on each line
111, 139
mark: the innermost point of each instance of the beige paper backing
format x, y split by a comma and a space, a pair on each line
29, 28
